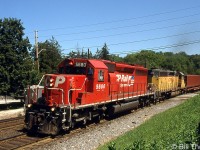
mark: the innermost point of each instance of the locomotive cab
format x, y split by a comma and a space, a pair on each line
181, 82
96, 84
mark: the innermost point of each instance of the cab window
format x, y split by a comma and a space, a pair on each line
72, 70
90, 71
101, 75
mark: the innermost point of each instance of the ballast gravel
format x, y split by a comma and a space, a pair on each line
92, 138
6, 114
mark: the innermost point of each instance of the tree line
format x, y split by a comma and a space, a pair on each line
17, 58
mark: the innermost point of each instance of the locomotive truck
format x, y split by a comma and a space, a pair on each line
89, 89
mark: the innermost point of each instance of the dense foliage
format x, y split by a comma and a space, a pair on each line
15, 63
17, 60
166, 60
103, 53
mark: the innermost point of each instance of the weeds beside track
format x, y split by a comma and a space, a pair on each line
175, 128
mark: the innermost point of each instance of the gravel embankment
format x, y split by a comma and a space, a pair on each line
6, 114
90, 139
12, 113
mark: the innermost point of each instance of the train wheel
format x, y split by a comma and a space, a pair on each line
141, 103
55, 130
83, 123
97, 119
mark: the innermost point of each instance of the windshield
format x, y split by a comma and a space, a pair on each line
72, 70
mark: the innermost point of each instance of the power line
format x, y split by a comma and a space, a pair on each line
140, 24
130, 42
122, 20
166, 27
160, 47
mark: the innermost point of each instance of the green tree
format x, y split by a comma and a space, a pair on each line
146, 58
15, 63
130, 58
72, 54
103, 53
196, 61
49, 56
178, 62
97, 54
116, 58
78, 54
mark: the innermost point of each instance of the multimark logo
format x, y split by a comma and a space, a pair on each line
125, 78
185, 146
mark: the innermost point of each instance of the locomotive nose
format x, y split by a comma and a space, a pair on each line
54, 89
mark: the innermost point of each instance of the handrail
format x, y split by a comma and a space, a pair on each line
70, 113
40, 80
34, 89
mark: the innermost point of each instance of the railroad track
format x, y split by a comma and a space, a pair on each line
21, 141
24, 141
12, 122
19, 138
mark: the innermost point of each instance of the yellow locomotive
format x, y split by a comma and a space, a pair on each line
166, 83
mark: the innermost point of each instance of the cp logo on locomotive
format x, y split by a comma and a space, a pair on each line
49, 82
59, 80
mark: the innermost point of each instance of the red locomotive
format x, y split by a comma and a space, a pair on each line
84, 89
88, 89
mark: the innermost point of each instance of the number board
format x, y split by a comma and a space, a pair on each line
80, 64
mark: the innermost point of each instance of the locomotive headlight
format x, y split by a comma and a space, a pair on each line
71, 63
51, 80
53, 109
29, 105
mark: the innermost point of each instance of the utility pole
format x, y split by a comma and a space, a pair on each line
36, 49
88, 53
82, 53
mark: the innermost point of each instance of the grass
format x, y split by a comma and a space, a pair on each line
176, 128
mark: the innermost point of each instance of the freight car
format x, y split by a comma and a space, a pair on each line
192, 82
89, 89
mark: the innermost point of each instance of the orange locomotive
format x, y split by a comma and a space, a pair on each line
85, 89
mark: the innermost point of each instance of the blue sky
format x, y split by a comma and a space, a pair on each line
125, 25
